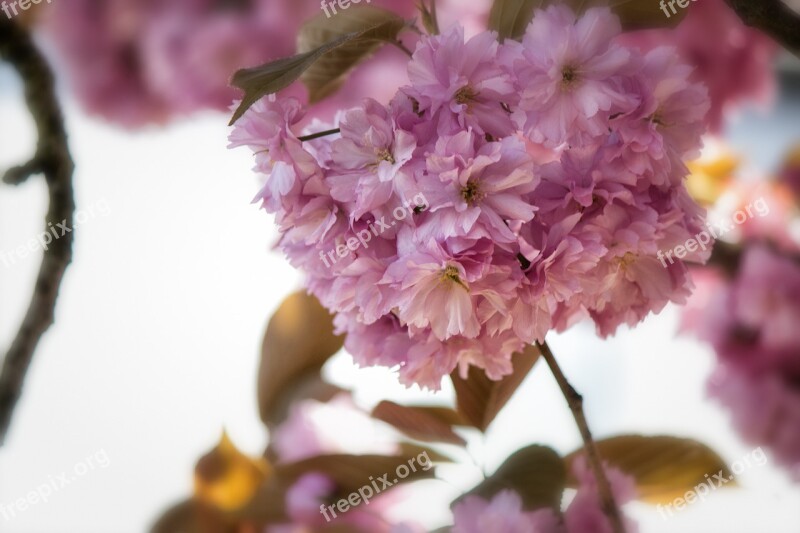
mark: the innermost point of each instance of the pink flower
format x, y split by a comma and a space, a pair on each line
434, 290
502, 514
570, 76
765, 408
585, 513
463, 85
473, 193
368, 159
731, 59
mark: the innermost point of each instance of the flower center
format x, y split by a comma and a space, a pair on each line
626, 260
465, 95
472, 193
386, 155
568, 75
450, 273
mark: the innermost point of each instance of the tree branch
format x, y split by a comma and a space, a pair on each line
575, 402
53, 159
772, 17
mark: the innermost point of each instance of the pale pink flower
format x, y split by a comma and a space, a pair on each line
503, 514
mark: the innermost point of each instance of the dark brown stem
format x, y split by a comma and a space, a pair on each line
52, 159
575, 402
319, 134
772, 17
403, 47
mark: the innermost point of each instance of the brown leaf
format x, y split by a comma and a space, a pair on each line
326, 50
664, 467
425, 423
298, 341
226, 479
479, 399
510, 18
536, 473
191, 516
369, 28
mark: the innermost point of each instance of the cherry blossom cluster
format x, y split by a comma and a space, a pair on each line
553, 172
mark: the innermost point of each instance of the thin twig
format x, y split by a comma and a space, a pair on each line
402, 47
52, 159
318, 135
575, 402
774, 18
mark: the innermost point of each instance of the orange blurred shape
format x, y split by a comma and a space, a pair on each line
710, 178
227, 479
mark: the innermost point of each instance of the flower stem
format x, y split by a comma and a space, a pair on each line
318, 135
575, 402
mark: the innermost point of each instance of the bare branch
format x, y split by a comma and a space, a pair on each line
575, 402
53, 160
772, 17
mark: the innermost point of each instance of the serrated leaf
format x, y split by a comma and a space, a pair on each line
510, 18
664, 468
353, 35
479, 399
370, 28
425, 423
535, 472
298, 342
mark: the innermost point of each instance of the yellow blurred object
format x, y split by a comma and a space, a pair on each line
227, 479
709, 179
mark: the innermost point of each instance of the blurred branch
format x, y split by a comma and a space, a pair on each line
52, 158
575, 402
772, 17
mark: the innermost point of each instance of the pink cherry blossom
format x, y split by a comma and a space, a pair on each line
538, 212
504, 514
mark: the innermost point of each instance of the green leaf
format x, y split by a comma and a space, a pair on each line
425, 423
325, 52
664, 467
430, 20
510, 18
298, 342
479, 399
369, 28
536, 473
